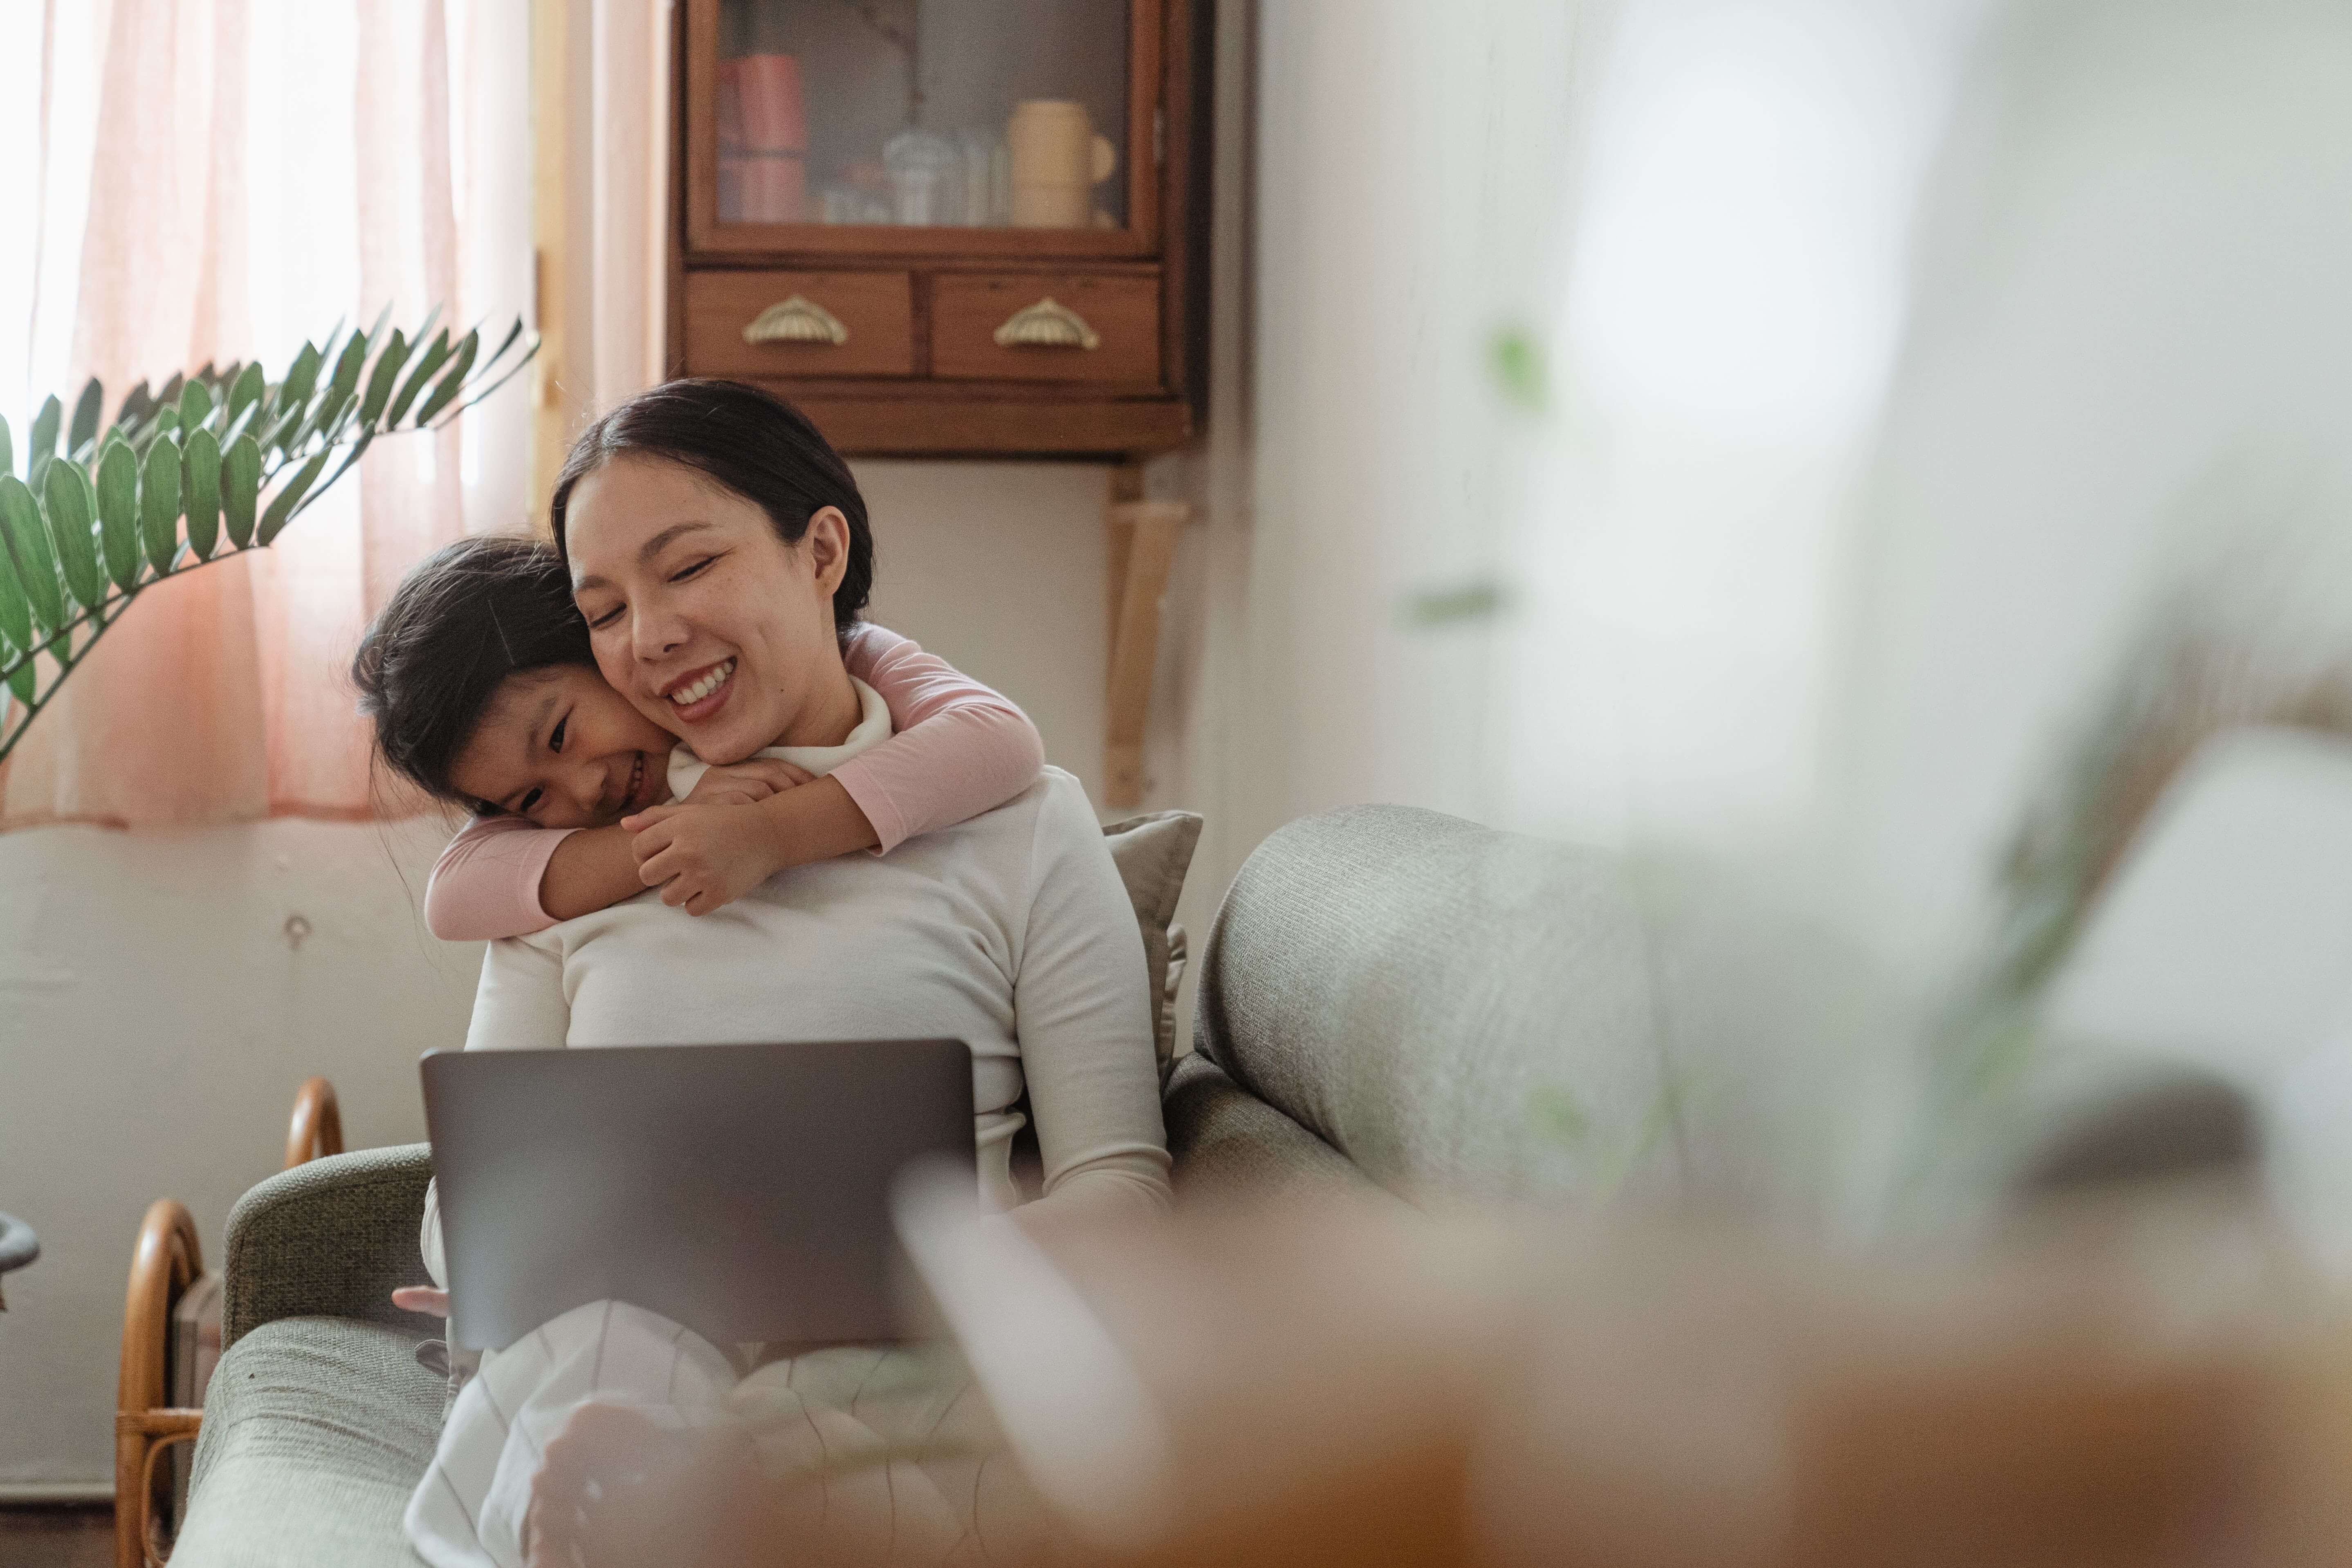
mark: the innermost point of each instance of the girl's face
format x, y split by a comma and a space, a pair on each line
563, 748
716, 629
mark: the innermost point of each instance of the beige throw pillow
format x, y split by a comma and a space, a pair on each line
1153, 853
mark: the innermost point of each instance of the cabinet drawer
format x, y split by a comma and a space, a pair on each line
808, 324
1056, 327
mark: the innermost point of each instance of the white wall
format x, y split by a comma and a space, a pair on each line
998, 569
154, 1023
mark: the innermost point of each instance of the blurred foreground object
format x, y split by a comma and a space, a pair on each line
2122, 1379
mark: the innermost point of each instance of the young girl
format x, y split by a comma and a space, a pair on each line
483, 689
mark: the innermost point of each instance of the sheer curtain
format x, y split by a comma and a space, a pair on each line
200, 180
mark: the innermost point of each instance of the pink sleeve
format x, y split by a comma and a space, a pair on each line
960, 749
486, 884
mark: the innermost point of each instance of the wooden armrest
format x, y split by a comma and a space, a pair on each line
163, 1263
169, 1422
316, 1129
166, 1259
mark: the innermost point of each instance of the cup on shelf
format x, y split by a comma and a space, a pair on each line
987, 179
1057, 160
923, 170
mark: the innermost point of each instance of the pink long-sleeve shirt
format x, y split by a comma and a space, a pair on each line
959, 748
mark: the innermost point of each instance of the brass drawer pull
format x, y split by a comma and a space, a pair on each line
1048, 324
799, 319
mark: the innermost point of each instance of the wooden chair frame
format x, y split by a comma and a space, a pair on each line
167, 1259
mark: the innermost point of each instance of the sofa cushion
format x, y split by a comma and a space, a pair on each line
1152, 853
316, 1430
1227, 1142
1452, 1008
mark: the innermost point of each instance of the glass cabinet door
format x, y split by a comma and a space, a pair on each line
927, 114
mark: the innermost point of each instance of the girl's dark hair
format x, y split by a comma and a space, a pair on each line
468, 617
745, 440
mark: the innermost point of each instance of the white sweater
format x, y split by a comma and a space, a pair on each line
1012, 932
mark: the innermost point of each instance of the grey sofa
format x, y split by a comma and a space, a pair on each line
1389, 997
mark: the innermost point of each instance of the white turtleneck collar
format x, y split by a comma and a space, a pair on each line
686, 769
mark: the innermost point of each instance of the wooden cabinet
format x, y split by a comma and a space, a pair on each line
948, 227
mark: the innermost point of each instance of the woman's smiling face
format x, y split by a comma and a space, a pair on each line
712, 625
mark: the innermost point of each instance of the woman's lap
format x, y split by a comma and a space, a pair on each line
879, 1453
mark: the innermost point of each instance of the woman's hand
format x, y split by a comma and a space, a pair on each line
703, 856
746, 782
422, 1298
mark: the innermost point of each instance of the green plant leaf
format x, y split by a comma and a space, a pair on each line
1516, 360
88, 408
66, 502
138, 407
301, 378
21, 681
240, 488
380, 380
435, 352
159, 504
359, 450
15, 610
331, 404
282, 437
246, 418
513, 332
118, 511
280, 510
484, 383
451, 382
195, 404
28, 544
165, 423
7, 450
201, 484
348, 367
243, 392
44, 439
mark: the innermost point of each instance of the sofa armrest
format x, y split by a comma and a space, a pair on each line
329, 1238
1227, 1142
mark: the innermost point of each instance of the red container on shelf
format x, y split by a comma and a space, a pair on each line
769, 173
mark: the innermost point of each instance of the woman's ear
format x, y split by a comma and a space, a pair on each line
827, 542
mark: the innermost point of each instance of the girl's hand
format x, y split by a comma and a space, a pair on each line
745, 782
703, 856
422, 1298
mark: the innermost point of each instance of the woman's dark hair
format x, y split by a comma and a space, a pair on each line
745, 440
471, 614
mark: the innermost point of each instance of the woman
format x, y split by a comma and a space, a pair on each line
713, 590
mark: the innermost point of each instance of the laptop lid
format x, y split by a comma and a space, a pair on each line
741, 1189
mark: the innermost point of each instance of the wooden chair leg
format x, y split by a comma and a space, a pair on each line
166, 1259
316, 1129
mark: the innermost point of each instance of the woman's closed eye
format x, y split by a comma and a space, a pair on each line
695, 569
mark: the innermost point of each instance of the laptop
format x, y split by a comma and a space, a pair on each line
741, 1189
